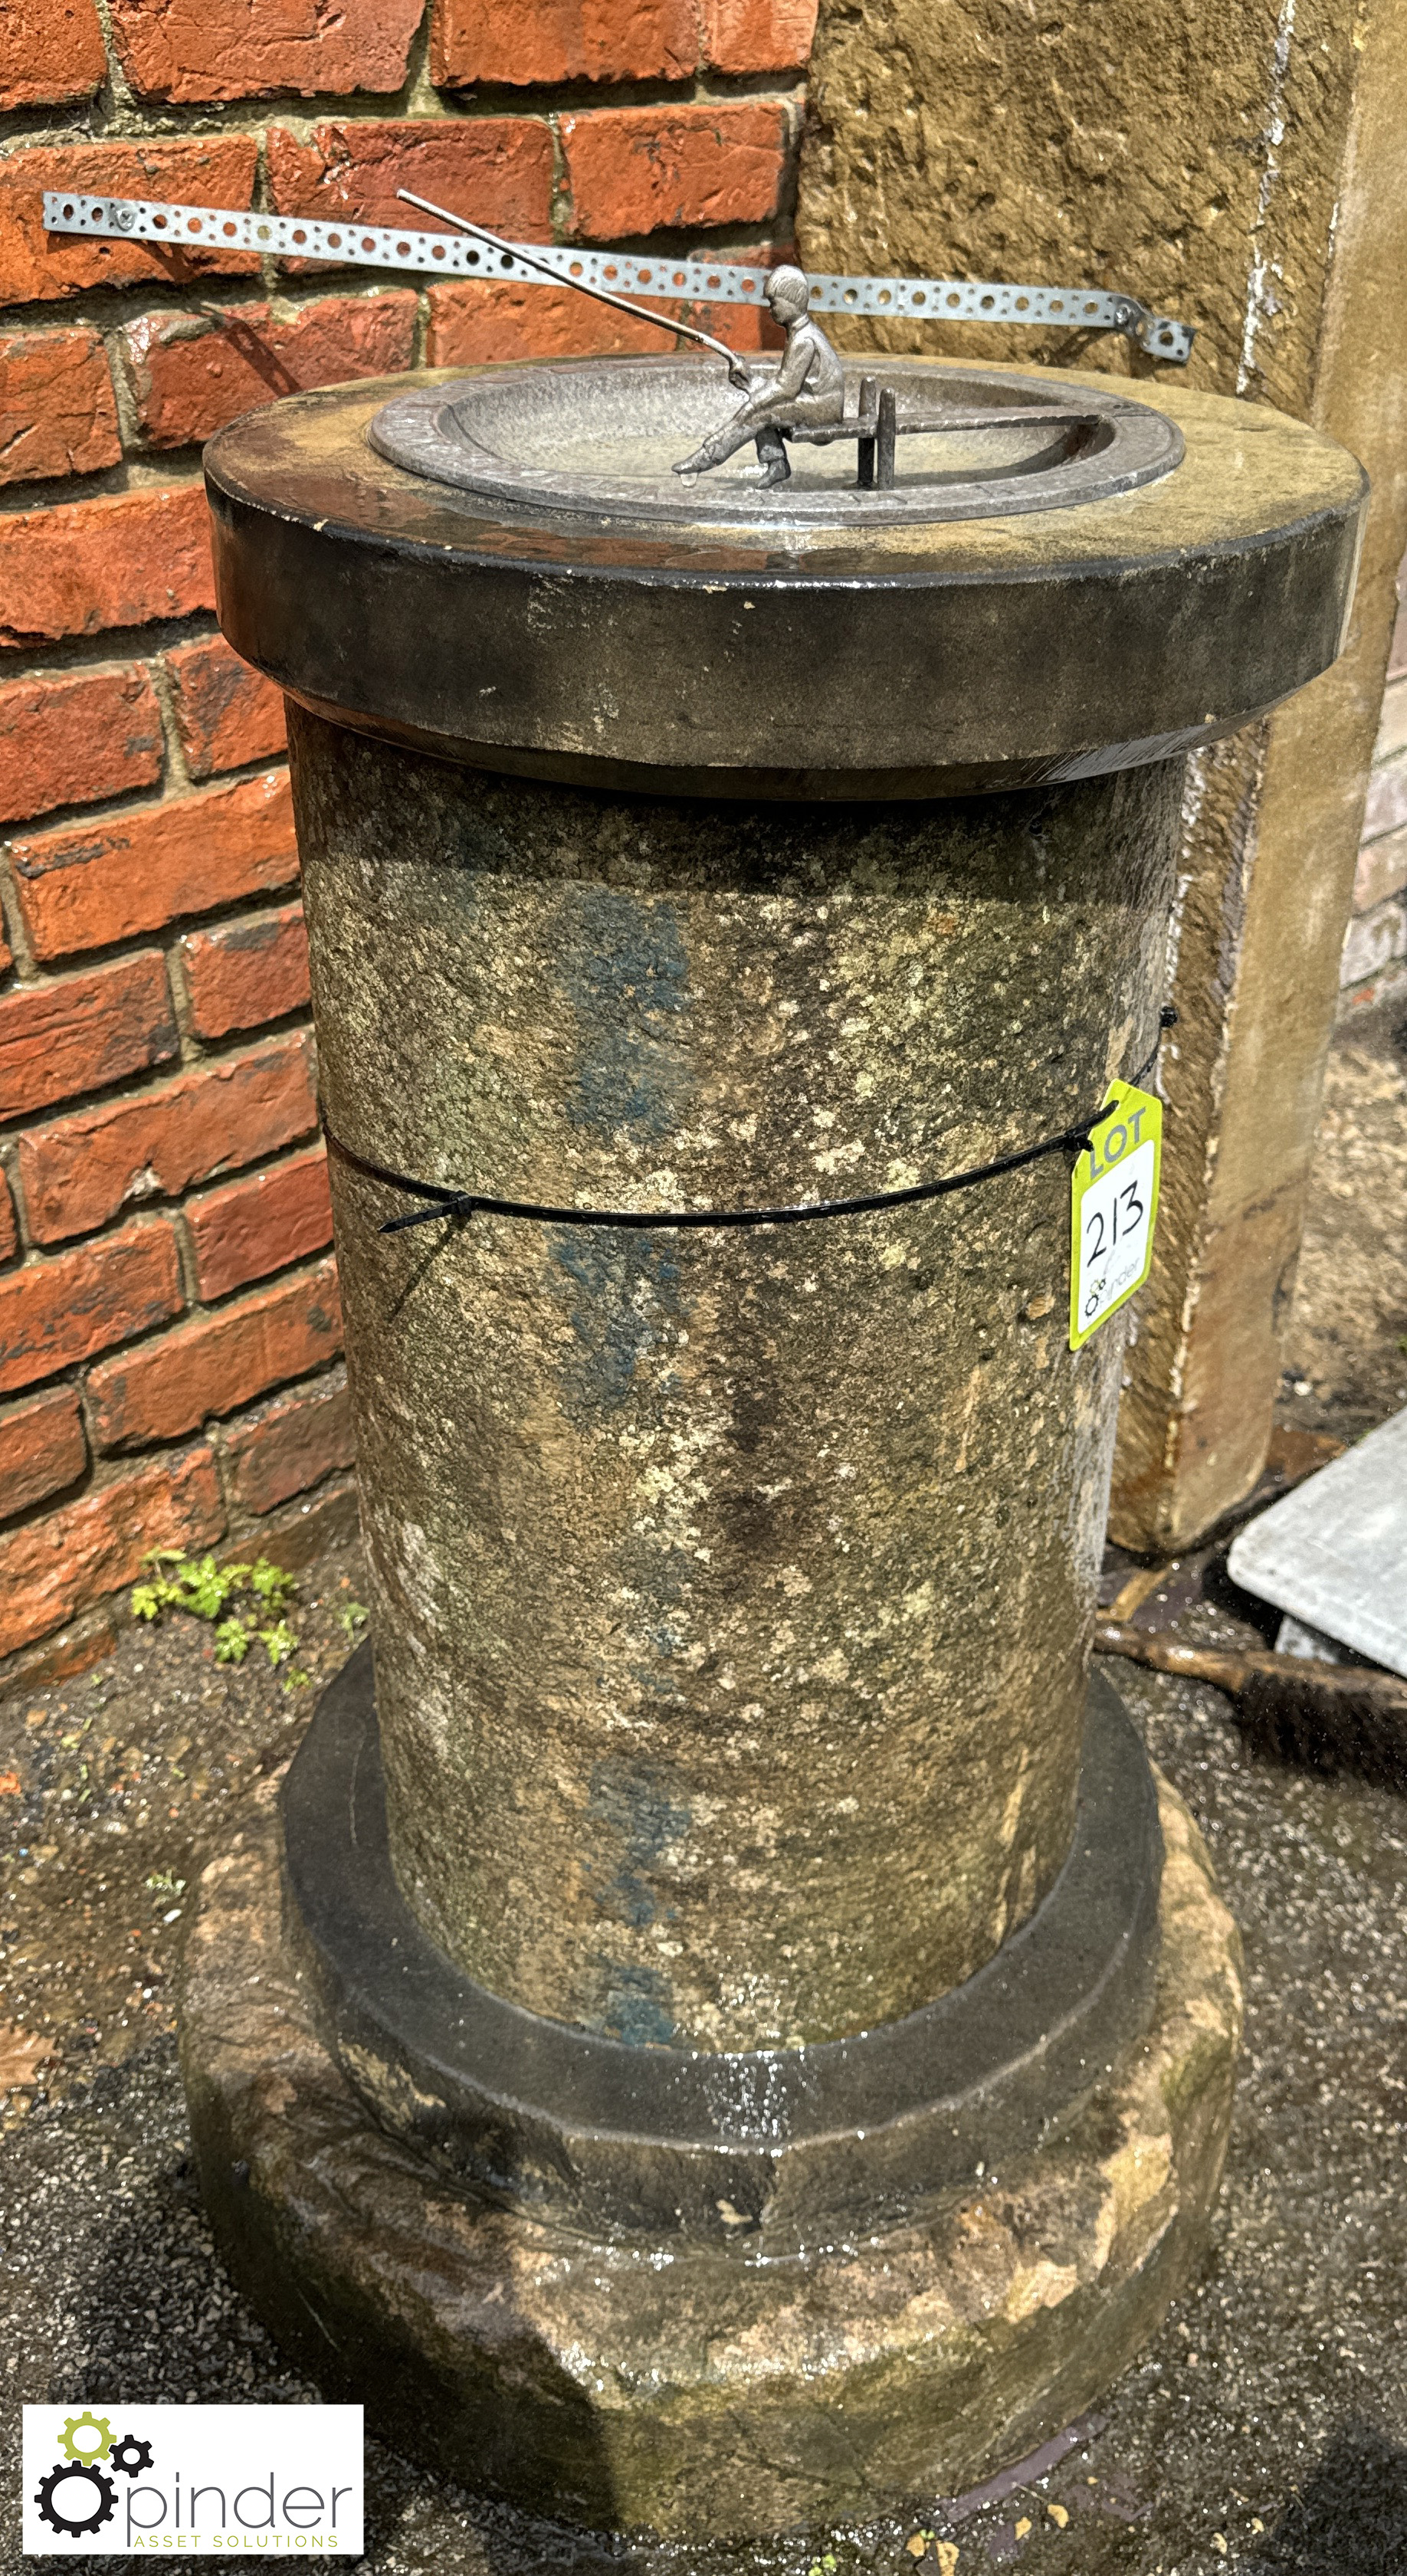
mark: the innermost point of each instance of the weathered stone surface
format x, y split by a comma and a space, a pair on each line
1247, 171
794, 2147
959, 140
927, 658
732, 1590
698, 2390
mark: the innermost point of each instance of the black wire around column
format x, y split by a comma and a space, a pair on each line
446, 1201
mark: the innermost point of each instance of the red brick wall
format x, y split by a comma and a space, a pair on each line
168, 1304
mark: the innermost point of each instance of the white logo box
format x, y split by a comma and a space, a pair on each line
108, 2477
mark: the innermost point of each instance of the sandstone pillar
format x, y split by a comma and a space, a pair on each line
1248, 173
719, 1861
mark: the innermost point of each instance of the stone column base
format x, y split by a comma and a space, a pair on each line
681, 2387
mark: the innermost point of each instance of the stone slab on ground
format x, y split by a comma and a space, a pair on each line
1334, 1552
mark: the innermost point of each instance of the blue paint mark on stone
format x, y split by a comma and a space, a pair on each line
479, 846
637, 1807
627, 976
637, 2008
623, 1289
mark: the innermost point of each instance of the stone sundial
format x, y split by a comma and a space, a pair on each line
523, 576
601, 439
725, 2032
604, 439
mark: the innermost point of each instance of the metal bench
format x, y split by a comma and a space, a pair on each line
877, 427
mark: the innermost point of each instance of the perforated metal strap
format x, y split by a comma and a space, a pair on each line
696, 281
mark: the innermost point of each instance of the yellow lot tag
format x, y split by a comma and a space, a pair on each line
1113, 1204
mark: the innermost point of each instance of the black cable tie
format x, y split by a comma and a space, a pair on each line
445, 1201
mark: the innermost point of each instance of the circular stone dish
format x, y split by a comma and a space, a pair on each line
774, 655
601, 439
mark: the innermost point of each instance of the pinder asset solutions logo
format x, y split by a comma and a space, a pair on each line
196, 2478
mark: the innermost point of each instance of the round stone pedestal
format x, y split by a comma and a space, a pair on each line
731, 1590
734, 2048
651, 2380
792, 2147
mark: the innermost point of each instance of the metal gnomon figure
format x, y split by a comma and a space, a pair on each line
807, 391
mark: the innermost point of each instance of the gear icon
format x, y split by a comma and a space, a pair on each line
70, 2474
131, 2455
86, 2454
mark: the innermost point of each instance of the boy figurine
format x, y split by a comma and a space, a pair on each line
809, 385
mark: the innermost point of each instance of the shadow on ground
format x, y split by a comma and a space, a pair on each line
1350, 2516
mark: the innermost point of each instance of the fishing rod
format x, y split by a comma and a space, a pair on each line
515, 253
